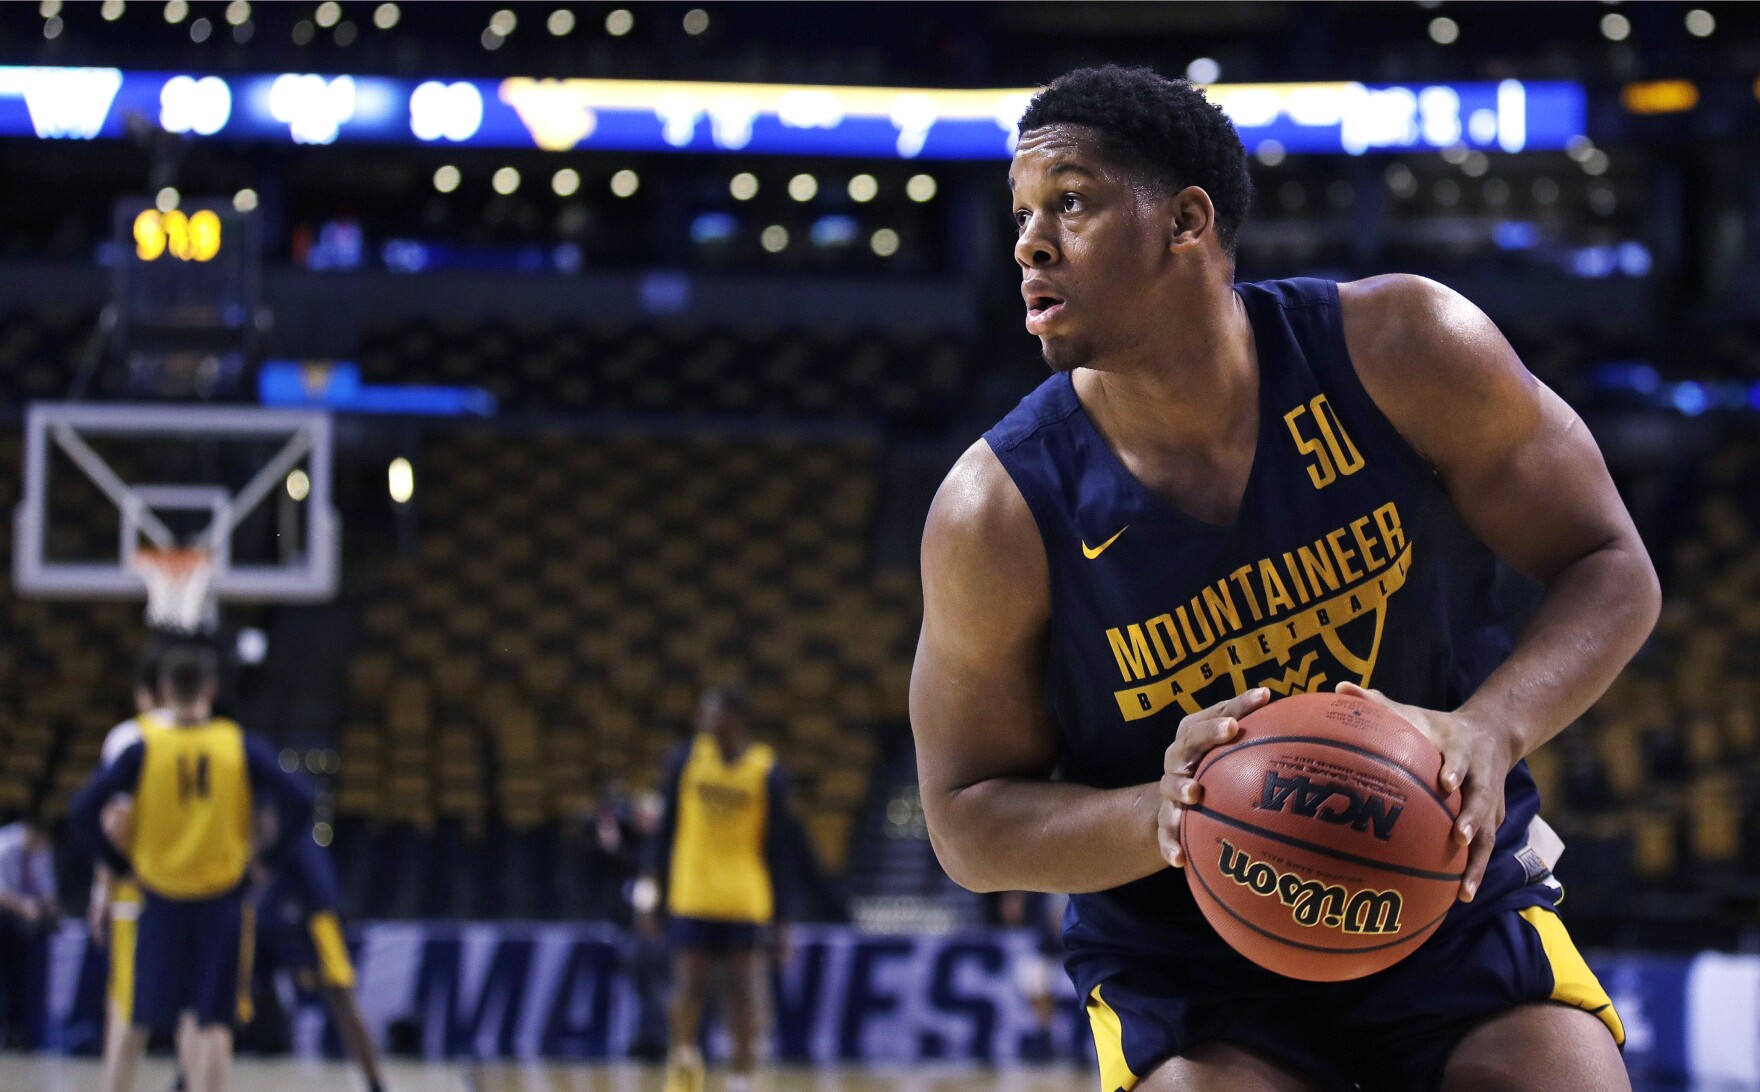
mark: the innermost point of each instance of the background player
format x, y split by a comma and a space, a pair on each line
115, 902
194, 780
726, 828
300, 930
1193, 435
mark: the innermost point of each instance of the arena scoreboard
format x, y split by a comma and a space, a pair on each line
191, 266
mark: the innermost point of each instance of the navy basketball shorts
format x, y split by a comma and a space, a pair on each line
713, 937
193, 956
1392, 1031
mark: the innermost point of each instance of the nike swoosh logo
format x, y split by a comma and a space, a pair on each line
1092, 552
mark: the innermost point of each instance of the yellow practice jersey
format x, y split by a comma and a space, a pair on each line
192, 809
718, 867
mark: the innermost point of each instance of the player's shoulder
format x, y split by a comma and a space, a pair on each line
978, 498
1397, 317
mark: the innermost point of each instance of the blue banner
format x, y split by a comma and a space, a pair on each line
589, 991
779, 119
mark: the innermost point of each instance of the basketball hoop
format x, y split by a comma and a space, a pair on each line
177, 582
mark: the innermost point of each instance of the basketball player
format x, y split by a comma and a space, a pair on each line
725, 825
1228, 491
195, 779
298, 912
116, 901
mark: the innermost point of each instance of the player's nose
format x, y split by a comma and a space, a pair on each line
1034, 249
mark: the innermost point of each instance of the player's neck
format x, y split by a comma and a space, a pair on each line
188, 716
1193, 388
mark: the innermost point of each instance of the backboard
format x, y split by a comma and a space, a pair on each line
251, 485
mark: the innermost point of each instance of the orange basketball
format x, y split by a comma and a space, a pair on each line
1322, 849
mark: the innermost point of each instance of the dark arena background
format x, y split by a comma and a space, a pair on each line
485, 382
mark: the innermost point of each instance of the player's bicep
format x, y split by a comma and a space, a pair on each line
1516, 460
1543, 498
977, 685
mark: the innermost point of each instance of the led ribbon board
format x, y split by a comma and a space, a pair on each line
780, 119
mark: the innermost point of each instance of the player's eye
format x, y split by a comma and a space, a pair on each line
1071, 202
1020, 219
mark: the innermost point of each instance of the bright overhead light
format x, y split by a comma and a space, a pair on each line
625, 183
49, 9
385, 16
862, 188
743, 186
561, 22
1701, 23
237, 12
52, 27
619, 23
565, 182
503, 22
402, 480
168, 199
1444, 31
884, 242
112, 10
299, 485
446, 179
920, 188
176, 10
774, 239
696, 21
803, 187
1203, 70
1615, 27
505, 181
329, 13
245, 200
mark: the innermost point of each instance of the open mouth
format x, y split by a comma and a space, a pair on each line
1040, 310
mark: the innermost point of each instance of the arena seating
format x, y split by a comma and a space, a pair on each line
677, 369
570, 596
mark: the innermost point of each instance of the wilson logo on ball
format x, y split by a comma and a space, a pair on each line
1331, 802
1313, 903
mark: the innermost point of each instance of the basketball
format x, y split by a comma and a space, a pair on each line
1322, 848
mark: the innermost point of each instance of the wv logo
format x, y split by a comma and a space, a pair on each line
1330, 802
64, 103
1295, 679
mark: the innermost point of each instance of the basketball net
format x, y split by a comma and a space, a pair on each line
177, 582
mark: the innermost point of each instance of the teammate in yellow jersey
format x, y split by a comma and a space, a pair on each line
726, 826
196, 781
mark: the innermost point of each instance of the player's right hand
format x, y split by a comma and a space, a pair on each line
1199, 733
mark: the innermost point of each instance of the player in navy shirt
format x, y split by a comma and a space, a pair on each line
1230, 492
298, 915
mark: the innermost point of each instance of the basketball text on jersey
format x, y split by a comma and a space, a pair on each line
1291, 598
1311, 902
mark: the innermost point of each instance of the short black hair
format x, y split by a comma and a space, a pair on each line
1165, 129
188, 671
146, 671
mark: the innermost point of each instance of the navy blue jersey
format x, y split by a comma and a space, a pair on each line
1347, 561
303, 875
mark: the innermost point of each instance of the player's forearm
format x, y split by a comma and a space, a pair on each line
1595, 615
1010, 834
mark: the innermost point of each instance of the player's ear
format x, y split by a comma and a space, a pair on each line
1192, 218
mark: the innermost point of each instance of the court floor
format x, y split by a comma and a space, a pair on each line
44, 1073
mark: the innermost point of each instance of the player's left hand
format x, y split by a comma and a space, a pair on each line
1475, 761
